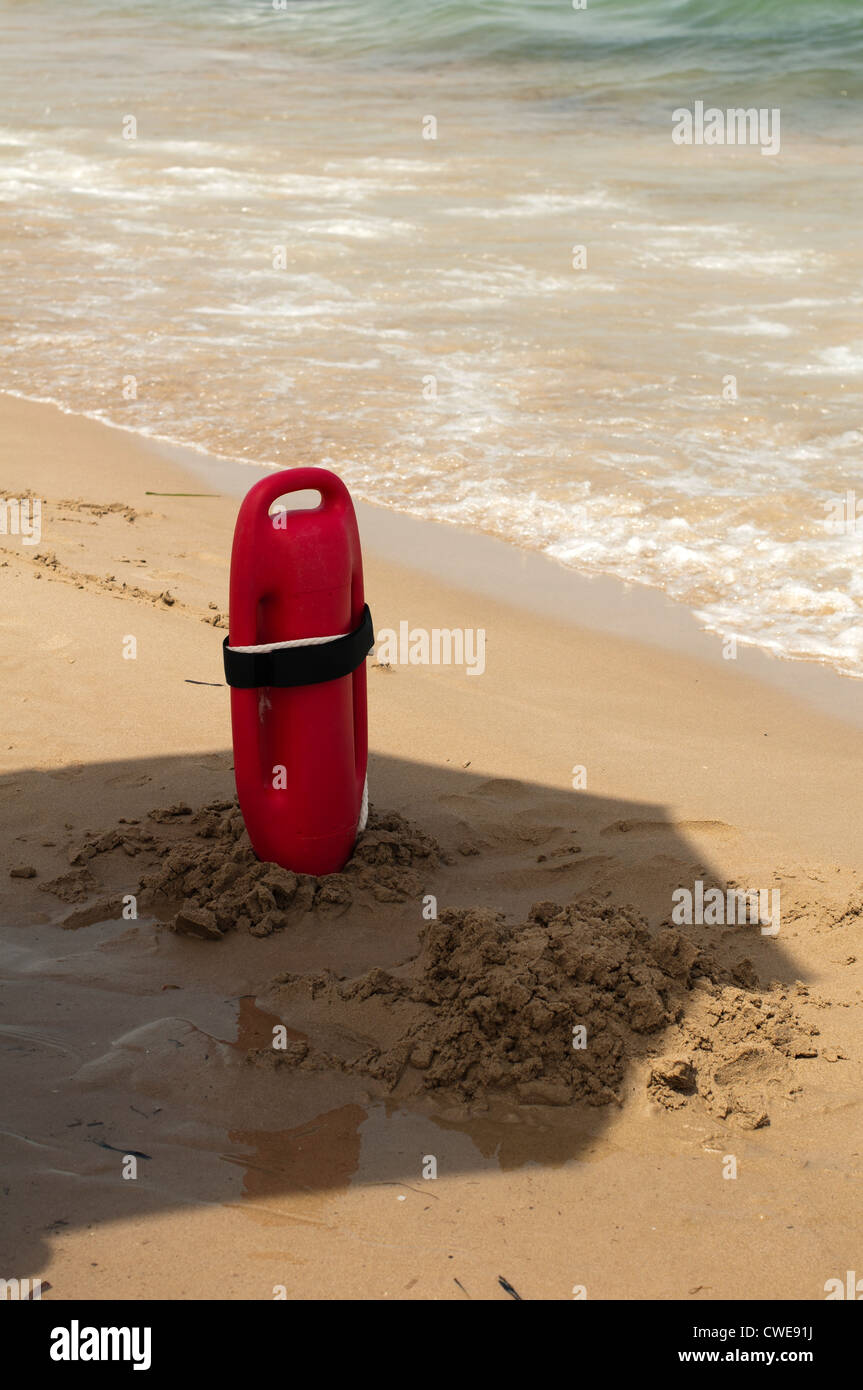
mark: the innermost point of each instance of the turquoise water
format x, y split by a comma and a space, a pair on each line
280, 266
810, 42
805, 46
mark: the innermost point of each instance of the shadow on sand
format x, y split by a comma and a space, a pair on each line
123, 1038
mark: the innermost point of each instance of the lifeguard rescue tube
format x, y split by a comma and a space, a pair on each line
299, 633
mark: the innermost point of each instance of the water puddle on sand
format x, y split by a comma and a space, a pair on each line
321, 1155
382, 1143
255, 1026
508, 1138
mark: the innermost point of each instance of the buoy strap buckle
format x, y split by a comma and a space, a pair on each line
307, 661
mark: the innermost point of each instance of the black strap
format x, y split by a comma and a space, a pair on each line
300, 665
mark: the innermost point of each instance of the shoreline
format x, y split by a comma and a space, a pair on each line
499, 569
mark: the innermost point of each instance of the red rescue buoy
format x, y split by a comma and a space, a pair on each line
295, 660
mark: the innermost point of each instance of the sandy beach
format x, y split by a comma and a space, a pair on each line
308, 1171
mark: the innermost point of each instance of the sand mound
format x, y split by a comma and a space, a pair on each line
550, 1011
206, 880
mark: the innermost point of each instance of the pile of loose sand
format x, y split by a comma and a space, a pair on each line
548, 1011
206, 880
554, 1010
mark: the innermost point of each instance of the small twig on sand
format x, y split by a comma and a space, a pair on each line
505, 1284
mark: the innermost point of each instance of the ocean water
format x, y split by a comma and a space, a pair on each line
282, 267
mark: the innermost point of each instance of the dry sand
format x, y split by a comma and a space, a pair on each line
406, 1039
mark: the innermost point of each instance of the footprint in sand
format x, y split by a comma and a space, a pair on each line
506, 789
717, 828
129, 779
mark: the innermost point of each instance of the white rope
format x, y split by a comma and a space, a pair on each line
364, 809
298, 642
313, 642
